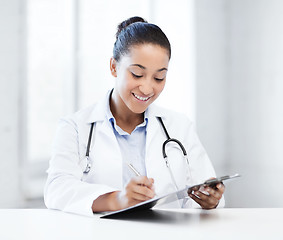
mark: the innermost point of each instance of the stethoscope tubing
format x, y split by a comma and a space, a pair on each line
88, 167
88, 161
176, 141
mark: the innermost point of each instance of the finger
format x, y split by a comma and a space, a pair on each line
139, 197
214, 193
152, 183
143, 180
190, 190
206, 201
217, 192
202, 196
143, 190
201, 202
133, 202
133, 187
221, 187
196, 199
152, 188
151, 180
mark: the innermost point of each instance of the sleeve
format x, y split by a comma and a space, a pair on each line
200, 165
64, 189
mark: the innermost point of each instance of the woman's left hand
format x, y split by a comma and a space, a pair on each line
208, 197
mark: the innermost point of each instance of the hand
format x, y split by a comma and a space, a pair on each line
208, 197
139, 189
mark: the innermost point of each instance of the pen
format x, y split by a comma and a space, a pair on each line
136, 172
133, 169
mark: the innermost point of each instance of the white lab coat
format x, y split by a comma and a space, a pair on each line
69, 189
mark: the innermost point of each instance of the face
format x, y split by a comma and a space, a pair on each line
140, 77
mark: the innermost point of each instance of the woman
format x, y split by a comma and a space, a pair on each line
127, 132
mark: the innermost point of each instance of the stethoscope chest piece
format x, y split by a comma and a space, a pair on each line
88, 161
88, 165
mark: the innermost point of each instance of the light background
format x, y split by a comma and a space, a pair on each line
226, 75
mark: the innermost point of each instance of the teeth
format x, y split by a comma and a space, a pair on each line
141, 98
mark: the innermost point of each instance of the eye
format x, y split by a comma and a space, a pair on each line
136, 76
159, 79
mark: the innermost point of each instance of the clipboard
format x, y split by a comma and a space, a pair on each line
167, 198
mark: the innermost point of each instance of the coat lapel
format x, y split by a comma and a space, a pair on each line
106, 154
155, 164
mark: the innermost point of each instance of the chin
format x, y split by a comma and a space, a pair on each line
138, 110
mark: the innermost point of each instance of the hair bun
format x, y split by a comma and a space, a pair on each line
135, 31
128, 22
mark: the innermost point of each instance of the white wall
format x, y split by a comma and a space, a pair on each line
255, 100
240, 95
10, 73
211, 79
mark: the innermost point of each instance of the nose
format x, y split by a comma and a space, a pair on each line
146, 87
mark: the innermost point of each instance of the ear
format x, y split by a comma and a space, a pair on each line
113, 67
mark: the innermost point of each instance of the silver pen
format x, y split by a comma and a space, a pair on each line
136, 172
133, 169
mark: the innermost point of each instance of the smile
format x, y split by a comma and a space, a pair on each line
141, 98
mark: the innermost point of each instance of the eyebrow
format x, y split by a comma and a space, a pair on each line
162, 69
138, 65
142, 67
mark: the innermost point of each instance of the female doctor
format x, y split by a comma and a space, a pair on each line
109, 156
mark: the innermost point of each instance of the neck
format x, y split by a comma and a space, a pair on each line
125, 118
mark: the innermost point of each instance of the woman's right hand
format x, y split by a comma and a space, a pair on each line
138, 190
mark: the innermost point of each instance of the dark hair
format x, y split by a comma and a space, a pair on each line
135, 31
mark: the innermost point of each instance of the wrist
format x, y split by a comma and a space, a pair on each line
106, 202
114, 201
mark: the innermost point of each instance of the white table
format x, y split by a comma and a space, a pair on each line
174, 224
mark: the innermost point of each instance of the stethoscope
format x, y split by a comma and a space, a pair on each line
169, 139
